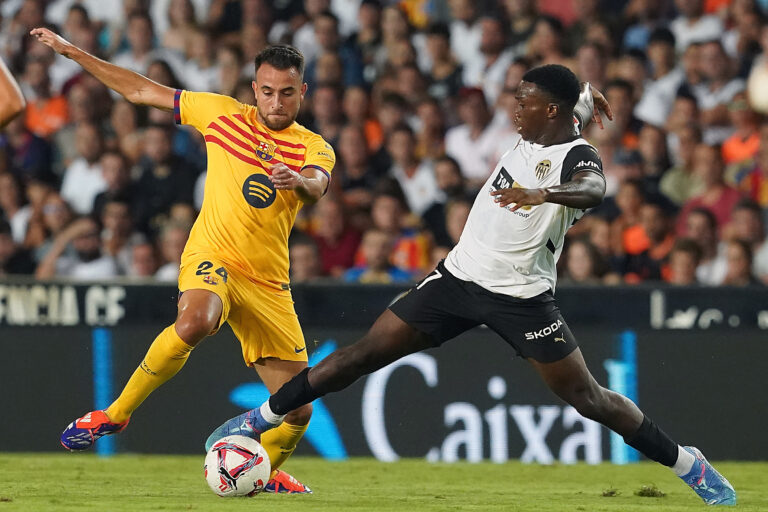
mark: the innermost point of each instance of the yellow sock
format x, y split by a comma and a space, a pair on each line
164, 359
280, 442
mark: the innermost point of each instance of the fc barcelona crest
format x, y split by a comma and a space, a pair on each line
265, 150
542, 168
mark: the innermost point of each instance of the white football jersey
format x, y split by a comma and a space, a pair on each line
515, 253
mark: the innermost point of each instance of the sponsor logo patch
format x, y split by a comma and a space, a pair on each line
543, 168
547, 331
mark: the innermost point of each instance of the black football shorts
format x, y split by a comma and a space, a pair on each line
443, 306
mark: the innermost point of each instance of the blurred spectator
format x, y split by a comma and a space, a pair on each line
591, 64
182, 25
489, 70
684, 259
125, 135
701, 227
12, 206
392, 111
82, 109
680, 183
648, 264
304, 37
141, 52
456, 215
446, 72
354, 174
522, 16
627, 235
143, 261
165, 178
717, 91
546, 45
326, 112
376, 248
116, 175
752, 178
745, 141
747, 225
13, 259
46, 112
326, 26
416, 177
654, 161
305, 259
368, 36
412, 247
201, 72
660, 91
26, 154
451, 185
466, 31
172, 240
83, 179
692, 25
739, 258
337, 242
431, 133
717, 197
584, 264
87, 261
56, 215
357, 110
230, 67
473, 143
118, 236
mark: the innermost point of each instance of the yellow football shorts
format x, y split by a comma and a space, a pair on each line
262, 318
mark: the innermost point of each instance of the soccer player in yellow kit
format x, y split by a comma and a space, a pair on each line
262, 167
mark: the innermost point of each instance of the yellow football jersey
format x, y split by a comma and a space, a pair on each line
244, 220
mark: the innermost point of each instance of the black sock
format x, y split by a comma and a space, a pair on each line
294, 393
654, 443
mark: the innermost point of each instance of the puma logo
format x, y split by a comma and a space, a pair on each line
559, 339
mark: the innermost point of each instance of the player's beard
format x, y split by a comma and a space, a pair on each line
280, 124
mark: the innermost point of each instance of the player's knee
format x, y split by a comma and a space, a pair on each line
588, 401
300, 416
193, 326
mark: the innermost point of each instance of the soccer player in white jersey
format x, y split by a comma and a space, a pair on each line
502, 274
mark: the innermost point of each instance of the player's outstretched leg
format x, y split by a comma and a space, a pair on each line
570, 379
388, 340
199, 313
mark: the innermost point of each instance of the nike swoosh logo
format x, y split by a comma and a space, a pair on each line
299, 350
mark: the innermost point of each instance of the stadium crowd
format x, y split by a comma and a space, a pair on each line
417, 98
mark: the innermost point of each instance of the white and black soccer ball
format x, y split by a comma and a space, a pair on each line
237, 466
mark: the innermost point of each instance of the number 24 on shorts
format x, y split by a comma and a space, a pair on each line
203, 269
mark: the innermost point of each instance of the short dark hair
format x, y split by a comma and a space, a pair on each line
280, 56
688, 246
439, 29
749, 205
662, 35
707, 214
558, 81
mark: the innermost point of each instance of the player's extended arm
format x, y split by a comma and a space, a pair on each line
585, 190
591, 103
11, 100
309, 185
136, 88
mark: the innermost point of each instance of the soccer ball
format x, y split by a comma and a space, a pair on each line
237, 466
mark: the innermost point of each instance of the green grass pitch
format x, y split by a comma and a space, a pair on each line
84, 482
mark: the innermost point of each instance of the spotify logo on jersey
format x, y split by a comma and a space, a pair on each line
258, 191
